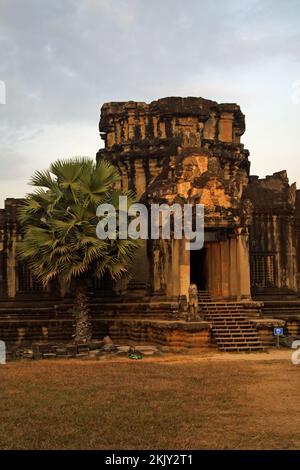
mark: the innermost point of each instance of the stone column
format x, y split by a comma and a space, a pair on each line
184, 269
11, 264
225, 255
2, 267
240, 265
158, 268
225, 127
140, 179
214, 279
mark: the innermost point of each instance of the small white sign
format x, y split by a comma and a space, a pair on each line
278, 331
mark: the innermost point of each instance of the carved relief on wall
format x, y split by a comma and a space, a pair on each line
194, 166
159, 268
247, 212
214, 195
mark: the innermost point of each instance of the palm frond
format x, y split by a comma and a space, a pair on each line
59, 223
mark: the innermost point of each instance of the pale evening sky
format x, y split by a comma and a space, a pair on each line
60, 60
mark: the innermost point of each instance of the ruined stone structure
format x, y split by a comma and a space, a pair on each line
188, 150
184, 150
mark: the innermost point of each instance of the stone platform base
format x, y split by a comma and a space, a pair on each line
288, 311
173, 334
282, 309
265, 328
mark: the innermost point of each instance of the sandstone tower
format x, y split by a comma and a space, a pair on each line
186, 150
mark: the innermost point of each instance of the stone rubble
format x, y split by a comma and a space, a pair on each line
92, 350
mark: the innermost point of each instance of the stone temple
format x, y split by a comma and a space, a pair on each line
179, 150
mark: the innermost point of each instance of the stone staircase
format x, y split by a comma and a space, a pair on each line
231, 329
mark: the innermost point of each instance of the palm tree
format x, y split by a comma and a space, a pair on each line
59, 230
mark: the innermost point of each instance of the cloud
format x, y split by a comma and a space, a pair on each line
61, 60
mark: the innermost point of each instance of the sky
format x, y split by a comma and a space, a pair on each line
60, 60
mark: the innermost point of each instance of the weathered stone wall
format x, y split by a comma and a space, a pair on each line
185, 150
9, 235
136, 321
188, 150
179, 147
188, 119
228, 273
273, 247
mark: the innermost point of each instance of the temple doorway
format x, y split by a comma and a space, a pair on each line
198, 268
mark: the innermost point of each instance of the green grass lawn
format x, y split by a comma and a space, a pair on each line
169, 403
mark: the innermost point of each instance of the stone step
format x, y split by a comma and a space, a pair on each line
225, 326
212, 305
241, 348
226, 317
229, 322
219, 307
225, 304
222, 312
241, 334
236, 335
238, 341
231, 328
219, 311
240, 345
238, 332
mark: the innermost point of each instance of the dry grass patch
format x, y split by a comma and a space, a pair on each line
150, 404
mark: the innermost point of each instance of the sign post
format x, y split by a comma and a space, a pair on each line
278, 332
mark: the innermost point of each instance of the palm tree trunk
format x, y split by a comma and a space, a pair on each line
83, 326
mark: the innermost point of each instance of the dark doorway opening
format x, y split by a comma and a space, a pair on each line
198, 268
